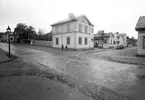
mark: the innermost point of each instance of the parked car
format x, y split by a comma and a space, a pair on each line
120, 47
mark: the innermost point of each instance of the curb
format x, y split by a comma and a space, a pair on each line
13, 57
123, 62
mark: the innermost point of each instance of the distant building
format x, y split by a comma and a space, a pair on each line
108, 40
2, 36
140, 27
75, 33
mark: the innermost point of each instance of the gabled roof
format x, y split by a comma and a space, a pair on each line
140, 24
74, 19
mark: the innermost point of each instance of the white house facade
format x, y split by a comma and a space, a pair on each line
140, 27
75, 33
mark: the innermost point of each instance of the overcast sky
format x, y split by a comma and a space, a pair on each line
109, 15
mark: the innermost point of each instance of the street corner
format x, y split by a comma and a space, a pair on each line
4, 57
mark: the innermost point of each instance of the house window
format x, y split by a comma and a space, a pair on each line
56, 29
68, 27
86, 29
86, 41
80, 40
105, 41
57, 41
144, 42
118, 37
118, 42
114, 42
92, 30
68, 40
80, 27
11, 38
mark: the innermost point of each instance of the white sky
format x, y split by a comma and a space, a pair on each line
109, 15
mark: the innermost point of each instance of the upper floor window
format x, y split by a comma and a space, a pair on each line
80, 40
118, 37
56, 29
68, 27
68, 40
86, 29
86, 41
92, 30
80, 27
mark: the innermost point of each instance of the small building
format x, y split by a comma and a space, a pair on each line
2, 36
74, 32
110, 40
140, 28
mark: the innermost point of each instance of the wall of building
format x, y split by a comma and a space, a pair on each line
62, 28
43, 43
63, 40
141, 50
90, 43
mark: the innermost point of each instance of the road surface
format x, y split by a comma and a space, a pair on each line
127, 79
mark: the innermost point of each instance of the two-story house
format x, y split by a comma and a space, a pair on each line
75, 33
120, 39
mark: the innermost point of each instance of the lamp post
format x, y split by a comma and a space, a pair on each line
8, 32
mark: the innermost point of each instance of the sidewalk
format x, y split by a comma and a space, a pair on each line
128, 60
3, 57
127, 56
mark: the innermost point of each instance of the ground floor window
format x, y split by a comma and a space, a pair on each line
118, 42
68, 40
57, 41
11, 38
86, 41
80, 40
144, 42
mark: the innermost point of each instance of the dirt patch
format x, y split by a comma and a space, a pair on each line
96, 93
141, 77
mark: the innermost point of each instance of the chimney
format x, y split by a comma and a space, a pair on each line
71, 16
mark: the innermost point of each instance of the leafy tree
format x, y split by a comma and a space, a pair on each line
24, 32
40, 32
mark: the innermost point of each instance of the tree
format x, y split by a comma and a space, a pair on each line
48, 36
127, 38
31, 32
24, 32
40, 32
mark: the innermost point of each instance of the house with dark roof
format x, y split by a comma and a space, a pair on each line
140, 28
76, 32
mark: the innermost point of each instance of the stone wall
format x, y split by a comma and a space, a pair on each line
43, 43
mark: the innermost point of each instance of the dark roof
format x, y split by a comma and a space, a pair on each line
104, 35
74, 19
140, 24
